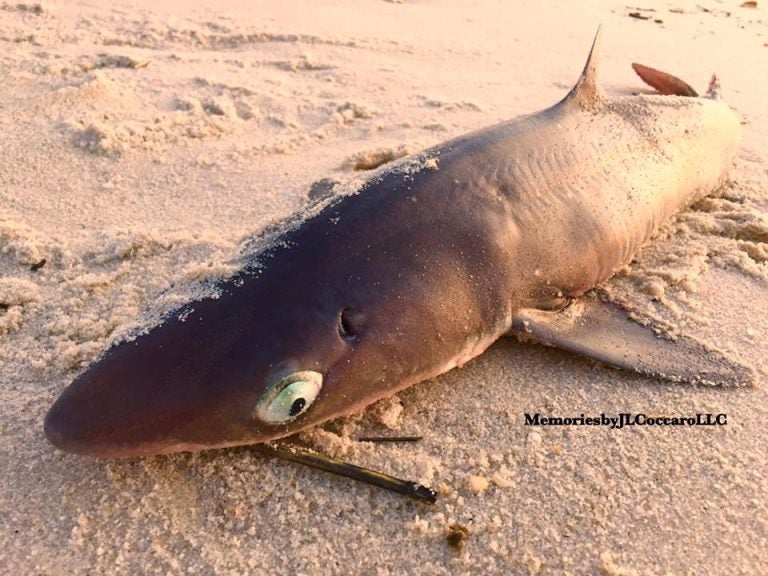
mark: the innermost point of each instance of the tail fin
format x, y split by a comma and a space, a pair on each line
664, 83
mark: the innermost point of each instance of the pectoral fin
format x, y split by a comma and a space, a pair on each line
605, 332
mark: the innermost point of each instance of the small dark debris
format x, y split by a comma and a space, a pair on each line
36, 9
457, 536
749, 4
658, 21
113, 61
322, 189
37, 265
638, 16
393, 439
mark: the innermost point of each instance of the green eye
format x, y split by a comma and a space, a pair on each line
290, 397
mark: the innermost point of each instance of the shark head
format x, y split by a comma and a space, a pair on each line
336, 317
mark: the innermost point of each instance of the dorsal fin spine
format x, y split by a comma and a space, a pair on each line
713, 91
586, 93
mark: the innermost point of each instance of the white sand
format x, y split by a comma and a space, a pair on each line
140, 143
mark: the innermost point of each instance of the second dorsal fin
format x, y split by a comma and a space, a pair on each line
586, 93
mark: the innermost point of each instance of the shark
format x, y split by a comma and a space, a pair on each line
505, 230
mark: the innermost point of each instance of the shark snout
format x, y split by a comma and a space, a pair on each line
120, 408
87, 428
55, 429
71, 430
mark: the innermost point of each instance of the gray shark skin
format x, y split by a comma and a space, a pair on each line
433, 259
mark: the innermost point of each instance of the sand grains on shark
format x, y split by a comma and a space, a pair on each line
436, 256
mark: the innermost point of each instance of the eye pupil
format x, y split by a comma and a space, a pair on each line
289, 397
297, 406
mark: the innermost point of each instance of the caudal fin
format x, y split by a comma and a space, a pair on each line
663, 82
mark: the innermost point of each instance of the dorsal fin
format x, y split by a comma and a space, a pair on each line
586, 93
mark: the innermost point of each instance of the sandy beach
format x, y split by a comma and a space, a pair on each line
143, 142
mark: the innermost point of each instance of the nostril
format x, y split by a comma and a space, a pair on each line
346, 330
350, 324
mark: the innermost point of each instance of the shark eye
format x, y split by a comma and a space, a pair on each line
289, 398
